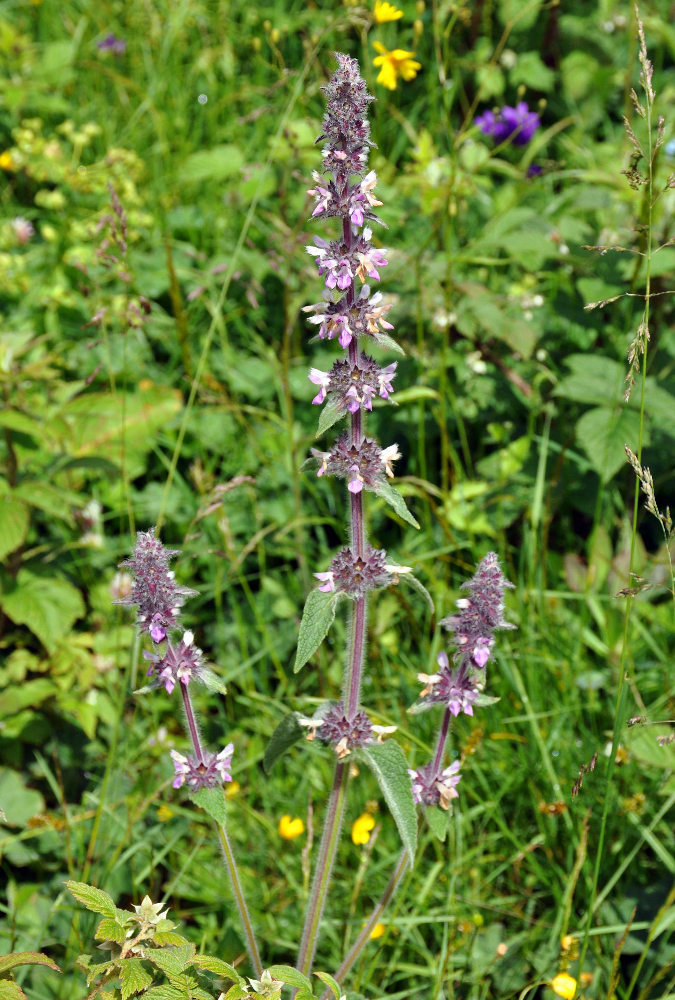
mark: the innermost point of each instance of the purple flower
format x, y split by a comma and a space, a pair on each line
432, 788
179, 663
352, 385
516, 125
116, 45
355, 576
154, 590
209, 772
361, 465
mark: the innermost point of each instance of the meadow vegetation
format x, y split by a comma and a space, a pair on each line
155, 159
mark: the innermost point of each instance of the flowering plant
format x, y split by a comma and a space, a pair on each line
354, 317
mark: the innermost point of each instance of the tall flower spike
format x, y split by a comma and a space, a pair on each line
154, 590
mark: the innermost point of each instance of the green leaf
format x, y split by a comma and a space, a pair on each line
212, 801
10, 990
217, 966
14, 522
170, 963
290, 976
384, 340
110, 930
603, 433
330, 414
420, 588
8, 962
326, 978
92, 898
19, 802
392, 496
317, 618
438, 821
133, 977
388, 764
288, 732
48, 607
211, 164
52, 500
212, 681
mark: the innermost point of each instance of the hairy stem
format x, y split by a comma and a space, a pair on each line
324, 867
237, 891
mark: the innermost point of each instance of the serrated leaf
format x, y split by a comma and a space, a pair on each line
330, 414
110, 930
392, 496
438, 821
14, 522
388, 764
50, 499
166, 961
169, 937
288, 732
10, 990
217, 966
212, 801
236, 992
317, 618
326, 978
420, 588
48, 607
165, 992
133, 977
26, 958
92, 898
290, 976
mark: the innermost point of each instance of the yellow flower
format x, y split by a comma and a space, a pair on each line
361, 828
377, 931
6, 160
395, 64
164, 813
232, 789
565, 986
289, 828
386, 12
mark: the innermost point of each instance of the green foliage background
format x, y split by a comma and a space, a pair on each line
168, 385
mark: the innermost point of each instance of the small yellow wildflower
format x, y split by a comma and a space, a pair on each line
231, 789
6, 160
377, 932
164, 813
394, 64
564, 985
386, 12
361, 828
289, 828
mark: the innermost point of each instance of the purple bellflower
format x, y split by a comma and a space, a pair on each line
111, 43
516, 125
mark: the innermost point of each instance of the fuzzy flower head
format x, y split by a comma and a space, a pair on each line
431, 788
344, 734
516, 125
355, 576
394, 65
347, 320
346, 130
364, 465
480, 614
179, 663
154, 590
352, 385
209, 772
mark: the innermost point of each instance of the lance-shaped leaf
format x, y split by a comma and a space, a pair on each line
384, 340
212, 801
388, 764
392, 496
330, 414
288, 732
317, 618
